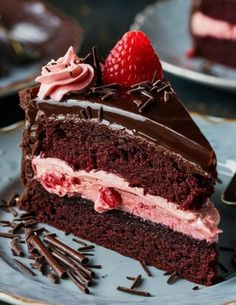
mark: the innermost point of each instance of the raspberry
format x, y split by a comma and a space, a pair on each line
131, 61
110, 197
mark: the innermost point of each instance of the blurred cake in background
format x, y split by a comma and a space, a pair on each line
32, 31
213, 29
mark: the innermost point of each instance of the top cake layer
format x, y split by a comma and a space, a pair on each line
138, 131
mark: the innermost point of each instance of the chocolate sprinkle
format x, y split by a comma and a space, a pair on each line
136, 281
147, 103
12, 200
89, 112
133, 291
173, 278
131, 278
8, 235
94, 266
166, 96
79, 241
13, 211
16, 248
145, 268
137, 102
86, 278
100, 114
85, 248
47, 69
79, 284
83, 114
24, 267
195, 288
17, 227
43, 250
63, 247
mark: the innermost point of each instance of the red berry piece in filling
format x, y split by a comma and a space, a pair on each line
131, 61
108, 196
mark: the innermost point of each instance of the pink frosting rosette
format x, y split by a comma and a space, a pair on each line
64, 76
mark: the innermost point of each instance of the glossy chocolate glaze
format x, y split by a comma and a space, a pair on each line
163, 123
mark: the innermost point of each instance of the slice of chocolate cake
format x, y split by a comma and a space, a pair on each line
213, 29
121, 164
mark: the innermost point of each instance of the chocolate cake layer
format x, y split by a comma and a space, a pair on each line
129, 235
89, 145
216, 50
217, 9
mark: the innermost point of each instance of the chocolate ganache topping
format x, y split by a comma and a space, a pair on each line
149, 109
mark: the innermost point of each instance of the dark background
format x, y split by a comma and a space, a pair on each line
104, 22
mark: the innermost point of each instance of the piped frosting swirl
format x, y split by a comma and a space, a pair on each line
64, 76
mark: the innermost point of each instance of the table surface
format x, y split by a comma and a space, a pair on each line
103, 23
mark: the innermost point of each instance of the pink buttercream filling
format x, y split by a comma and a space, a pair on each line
203, 26
64, 76
109, 191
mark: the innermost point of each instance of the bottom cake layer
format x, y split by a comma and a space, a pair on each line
129, 235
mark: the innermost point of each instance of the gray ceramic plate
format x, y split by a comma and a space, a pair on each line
18, 288
166, 23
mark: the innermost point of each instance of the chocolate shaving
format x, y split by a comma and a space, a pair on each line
136, 281
13, 211
166, 96
137, 102
167, 273
27, 214
67, 233
17, 227
78, 241
147, 103
131, 278
24, 218
53, 277
133, 291
156, 82
86, 278
24, 267
43, 250
195, 288
94, 266
85, 248
12, 200
147, 94
136, 90
89, 112
143, 83
63, 247
110, 93
173, 278
145, 268
100, 114
47, 69
8, 235
83, 114
39, 231
96, 64
79, 284
30, 223
107, 86
71, 74
154, 76
163, 88
88, 254
16, 248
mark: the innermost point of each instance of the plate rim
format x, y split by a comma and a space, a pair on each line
202, 78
